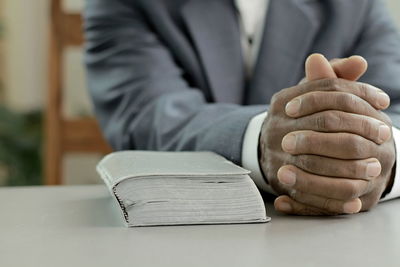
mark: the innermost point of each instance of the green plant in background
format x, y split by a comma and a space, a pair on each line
20, 145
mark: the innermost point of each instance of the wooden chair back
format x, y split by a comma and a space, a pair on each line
65, 135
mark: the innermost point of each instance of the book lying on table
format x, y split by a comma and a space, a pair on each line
174, 188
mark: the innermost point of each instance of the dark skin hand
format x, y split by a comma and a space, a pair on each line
325, 145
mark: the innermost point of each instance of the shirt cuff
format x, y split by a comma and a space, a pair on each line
395, 192
250, 152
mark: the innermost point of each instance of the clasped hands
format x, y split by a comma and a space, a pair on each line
326, 147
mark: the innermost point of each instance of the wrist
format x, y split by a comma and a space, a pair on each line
389, 184
251, 152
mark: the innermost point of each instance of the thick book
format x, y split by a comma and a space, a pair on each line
175, 188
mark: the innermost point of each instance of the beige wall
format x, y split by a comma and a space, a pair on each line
26, 36
394, 7
26, 58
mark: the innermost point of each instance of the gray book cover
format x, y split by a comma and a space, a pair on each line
168, 188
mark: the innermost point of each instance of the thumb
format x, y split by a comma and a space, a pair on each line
351, 68
318, 67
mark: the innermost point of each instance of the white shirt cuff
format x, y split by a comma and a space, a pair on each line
395, 192
250, 152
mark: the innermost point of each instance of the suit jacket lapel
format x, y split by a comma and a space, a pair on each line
288, 35
213, 26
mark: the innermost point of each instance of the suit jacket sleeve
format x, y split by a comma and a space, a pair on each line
379, 43
140, 96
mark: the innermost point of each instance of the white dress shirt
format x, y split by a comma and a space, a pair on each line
252, 15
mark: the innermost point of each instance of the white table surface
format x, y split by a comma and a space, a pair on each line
80, 226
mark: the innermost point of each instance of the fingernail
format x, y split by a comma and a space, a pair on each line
284, 207
286, 177
384, 133
293, 107
289, 143
383, 100
374, 169
353, 206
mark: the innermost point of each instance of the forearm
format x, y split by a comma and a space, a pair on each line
184, 121
179, 119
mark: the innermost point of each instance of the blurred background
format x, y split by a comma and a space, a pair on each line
40, 49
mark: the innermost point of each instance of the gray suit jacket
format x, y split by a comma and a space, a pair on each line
168, 74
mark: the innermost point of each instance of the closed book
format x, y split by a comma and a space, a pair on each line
179, 188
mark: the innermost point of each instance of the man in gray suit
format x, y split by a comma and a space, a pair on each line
222, 75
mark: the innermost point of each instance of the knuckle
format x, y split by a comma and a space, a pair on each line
336, 85
313, 142
349, 101
371, 203
304, 162
367, 129
275, 102
369, 187
327, 205
364, 91
350, 190
386, 119
354, 169
355, 145
301, 162
332, 120
321, 122
332, 84
308, 141
275, 98
312, 99
312, 164
358, 170
279, 100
